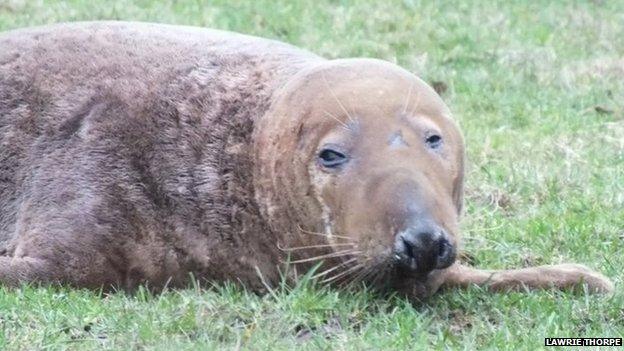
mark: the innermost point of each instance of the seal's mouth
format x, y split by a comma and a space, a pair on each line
380, 273
415, 253
391, 277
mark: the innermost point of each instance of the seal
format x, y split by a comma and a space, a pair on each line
136, 153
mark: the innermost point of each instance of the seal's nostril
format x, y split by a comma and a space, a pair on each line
423, 250
446, 254
443, 248
409, 247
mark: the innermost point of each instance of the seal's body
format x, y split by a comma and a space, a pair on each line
138, 153
126, 151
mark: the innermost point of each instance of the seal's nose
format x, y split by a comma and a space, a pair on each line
423, 248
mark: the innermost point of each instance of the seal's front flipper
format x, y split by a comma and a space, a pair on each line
561, 276
15, 271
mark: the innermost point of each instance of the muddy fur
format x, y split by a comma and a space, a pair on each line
139, 153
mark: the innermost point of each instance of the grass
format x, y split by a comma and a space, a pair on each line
538, 88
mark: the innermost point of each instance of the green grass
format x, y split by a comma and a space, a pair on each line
538, 88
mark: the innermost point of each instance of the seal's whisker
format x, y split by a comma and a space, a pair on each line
323, 234
337, 100
312, 246
413, 111
377, 274
343, 124
375, 269
343, 273
327, 271
330, 255
361, 276
348, 280
327, 236
407, 99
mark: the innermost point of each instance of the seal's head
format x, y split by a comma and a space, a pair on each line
363, 157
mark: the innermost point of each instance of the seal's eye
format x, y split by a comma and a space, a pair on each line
331, 158
434, 141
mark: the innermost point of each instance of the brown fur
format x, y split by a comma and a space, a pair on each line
134, 153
